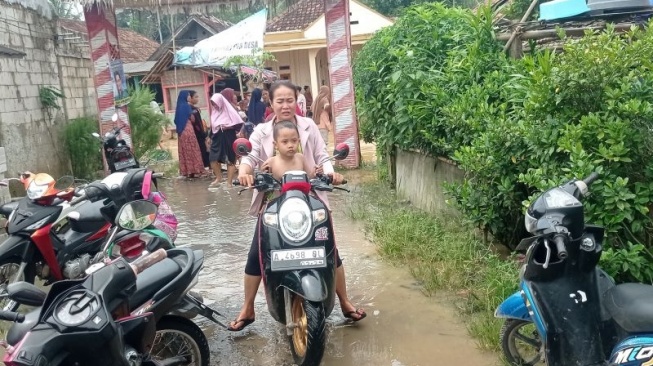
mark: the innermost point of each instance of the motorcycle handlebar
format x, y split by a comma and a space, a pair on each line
592, 177
157, 175
148, 261
77, 199
559, 241
12, 316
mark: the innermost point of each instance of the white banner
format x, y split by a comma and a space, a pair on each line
242, 39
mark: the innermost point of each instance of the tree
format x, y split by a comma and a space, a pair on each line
66, 9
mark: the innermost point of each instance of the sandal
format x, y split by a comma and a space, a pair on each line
350, 315
245, 322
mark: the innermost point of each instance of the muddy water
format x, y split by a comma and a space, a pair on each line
403, 327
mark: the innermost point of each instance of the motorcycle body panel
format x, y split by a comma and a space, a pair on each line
314, 284
513, 307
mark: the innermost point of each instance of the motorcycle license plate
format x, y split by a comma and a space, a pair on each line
124, 164
294, 259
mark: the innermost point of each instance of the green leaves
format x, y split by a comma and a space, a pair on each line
438, 81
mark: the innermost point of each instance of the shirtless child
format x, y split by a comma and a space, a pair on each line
286, 142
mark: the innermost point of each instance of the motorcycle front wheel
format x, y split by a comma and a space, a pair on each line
521, 343
9, 269
180, 339
309, 333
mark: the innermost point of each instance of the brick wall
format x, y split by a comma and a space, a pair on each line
31, 138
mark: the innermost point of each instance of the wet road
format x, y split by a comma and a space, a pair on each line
403, 327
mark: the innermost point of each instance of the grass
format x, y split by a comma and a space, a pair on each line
443, 254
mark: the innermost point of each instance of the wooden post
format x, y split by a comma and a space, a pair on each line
516, 49
519, 28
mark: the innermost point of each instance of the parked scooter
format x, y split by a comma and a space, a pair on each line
116, 151
580, 316
122, 314
55, 239
298, 256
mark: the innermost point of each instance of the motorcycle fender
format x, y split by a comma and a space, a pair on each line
308, 284
513, 308
15, 246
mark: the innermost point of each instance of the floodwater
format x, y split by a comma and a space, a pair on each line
403, 327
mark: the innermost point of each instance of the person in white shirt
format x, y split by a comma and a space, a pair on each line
301, 100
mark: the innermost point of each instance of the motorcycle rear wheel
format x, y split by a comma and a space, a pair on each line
8, 275
309, 335
176, 334
516, 342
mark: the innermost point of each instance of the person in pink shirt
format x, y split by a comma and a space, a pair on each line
283, 96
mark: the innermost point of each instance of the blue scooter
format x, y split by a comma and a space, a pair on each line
578, 315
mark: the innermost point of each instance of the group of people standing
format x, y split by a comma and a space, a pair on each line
202, 147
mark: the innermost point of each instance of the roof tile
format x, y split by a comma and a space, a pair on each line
297, 17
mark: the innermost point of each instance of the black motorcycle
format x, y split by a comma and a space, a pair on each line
298, 257
116, 151
122, 314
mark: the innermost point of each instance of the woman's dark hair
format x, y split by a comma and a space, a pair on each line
282, 83
192, 93
281, 125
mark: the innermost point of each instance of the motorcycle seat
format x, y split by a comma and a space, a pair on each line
18, 330
631, 306
90, 217
164, 277
7, 208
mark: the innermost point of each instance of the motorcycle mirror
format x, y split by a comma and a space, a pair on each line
341, 151
136, 215
96, 135
242, 147
64, 182
114, 117
25, 293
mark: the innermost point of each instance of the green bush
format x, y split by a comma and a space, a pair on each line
146, 125
437, 81
83, 149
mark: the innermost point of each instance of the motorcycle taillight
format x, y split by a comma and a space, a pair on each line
131, 247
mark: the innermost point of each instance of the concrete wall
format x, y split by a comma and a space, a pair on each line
420, 179
31, 138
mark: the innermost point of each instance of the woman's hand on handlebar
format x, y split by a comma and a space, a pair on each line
337, 178
246, 180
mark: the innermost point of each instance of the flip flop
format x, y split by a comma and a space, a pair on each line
245, 322
361, 315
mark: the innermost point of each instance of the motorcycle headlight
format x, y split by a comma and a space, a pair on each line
295, 220
35, 191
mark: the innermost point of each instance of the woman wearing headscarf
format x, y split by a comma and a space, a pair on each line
225, 123
255, 111
199, 127
190, 158
322, 115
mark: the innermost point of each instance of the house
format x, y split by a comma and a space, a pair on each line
297, 39
196, 28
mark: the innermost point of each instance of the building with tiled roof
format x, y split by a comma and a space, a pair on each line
133, 46
297, 39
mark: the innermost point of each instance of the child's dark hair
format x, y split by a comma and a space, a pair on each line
281, 125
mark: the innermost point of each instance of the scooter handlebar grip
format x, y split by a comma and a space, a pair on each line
148, 261
560, 246
157, 175
592, 177
12, 316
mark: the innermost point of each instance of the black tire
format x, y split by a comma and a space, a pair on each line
171, 324
509, 338
28, 276
315, 334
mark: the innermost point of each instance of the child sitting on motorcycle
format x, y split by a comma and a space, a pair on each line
286, 146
